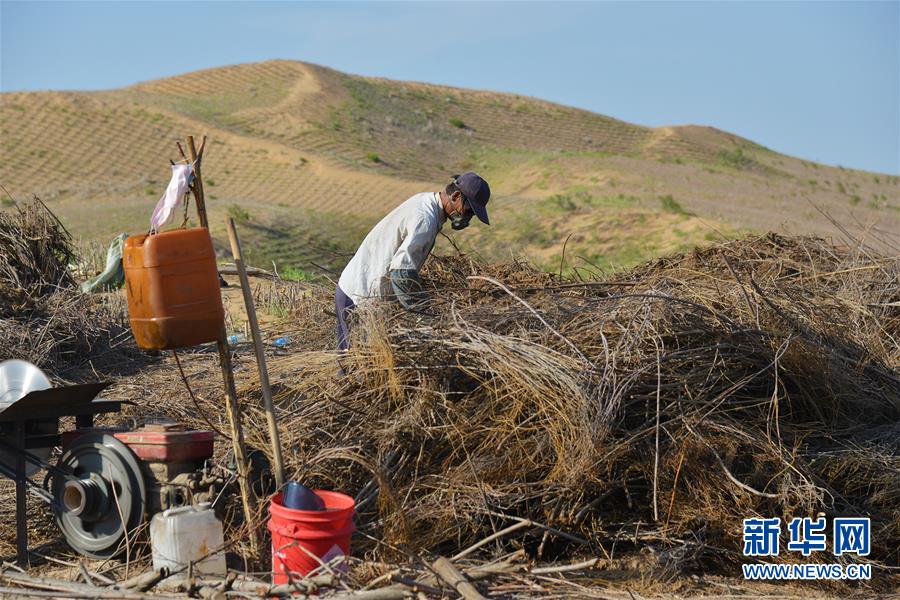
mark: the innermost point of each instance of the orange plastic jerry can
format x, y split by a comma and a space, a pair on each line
174, 299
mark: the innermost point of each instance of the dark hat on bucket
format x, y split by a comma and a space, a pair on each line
477, 193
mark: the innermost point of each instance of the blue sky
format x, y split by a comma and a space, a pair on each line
816, 80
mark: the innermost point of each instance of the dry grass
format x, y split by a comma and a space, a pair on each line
37, 250
656, 409
44, 318
641, 416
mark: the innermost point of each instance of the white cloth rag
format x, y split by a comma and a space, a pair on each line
182, 174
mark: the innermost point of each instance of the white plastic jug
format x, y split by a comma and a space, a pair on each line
188, 534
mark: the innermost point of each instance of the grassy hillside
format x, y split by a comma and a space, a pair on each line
308, 157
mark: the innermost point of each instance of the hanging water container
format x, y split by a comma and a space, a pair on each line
174, 299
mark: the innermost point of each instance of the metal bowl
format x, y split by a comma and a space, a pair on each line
18, 378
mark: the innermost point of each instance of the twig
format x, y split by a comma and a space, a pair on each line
562, 534
674, 488
145, 581
656, 436
503, 532
200, 410
728, 474
416, 586
84, 574
537, 315
565, 568
122, 520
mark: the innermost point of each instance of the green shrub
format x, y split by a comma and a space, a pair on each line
670, 204
733, 158
238, 213
210, 182
564, 201
457, 123
149, 190
854, 199
292, 273
373, 157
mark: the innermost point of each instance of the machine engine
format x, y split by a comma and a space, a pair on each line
107, 481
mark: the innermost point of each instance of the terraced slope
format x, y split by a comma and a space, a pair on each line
308, 157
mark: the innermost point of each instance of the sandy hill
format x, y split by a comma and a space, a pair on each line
307, 157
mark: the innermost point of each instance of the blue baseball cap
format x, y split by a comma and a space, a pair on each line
477, 193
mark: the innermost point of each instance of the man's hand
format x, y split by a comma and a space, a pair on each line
409, 291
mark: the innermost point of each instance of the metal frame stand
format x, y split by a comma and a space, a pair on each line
21, 517
72, 401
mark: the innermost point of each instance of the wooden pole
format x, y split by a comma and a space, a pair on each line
232, 408
260, 353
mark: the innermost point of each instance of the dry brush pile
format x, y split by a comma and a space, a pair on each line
44, 318
652, 409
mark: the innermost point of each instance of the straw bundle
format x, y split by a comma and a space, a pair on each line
35, 252
44, 319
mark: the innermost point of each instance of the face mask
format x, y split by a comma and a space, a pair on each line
460, 221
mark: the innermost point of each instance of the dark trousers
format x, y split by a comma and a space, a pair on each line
342, 307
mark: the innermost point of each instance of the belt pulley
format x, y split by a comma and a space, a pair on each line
99, 495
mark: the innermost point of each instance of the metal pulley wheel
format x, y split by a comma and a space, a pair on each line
17, 379
101, 498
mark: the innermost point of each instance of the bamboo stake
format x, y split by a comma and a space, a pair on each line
260, 353
232, 408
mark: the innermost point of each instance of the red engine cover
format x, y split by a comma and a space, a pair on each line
168, 442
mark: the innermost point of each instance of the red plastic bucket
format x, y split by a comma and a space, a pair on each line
297, 534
